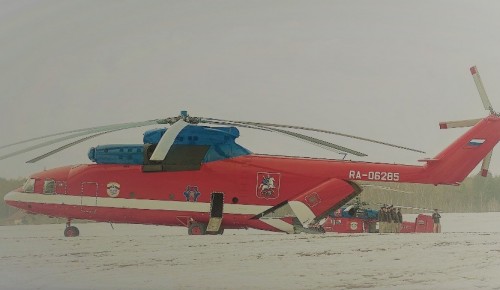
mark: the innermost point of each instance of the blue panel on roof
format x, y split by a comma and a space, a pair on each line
207, 135
117, 154
220, 139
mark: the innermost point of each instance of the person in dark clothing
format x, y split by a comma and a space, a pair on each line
436, 217
395, 220
390, 220
400, 220
382, 218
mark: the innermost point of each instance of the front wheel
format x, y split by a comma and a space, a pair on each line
71, 231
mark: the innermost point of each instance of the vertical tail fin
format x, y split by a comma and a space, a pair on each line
475, 145
454, 163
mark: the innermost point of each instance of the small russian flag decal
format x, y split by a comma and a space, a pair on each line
476, 142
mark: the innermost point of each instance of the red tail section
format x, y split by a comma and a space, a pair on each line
453, 164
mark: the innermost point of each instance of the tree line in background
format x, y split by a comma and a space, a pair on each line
475, 194
7, 185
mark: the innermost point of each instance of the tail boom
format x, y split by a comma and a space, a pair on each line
450, 167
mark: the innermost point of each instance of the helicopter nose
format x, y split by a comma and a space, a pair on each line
18, 199
11, 197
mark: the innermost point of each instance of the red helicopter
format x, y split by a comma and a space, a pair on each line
200, 178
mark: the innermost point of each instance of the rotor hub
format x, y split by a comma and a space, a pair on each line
183, 116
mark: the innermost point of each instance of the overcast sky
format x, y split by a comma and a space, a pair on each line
387, 70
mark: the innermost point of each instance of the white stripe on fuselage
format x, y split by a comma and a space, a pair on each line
60, 199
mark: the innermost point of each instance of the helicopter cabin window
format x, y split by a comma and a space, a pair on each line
49, 187
29, 186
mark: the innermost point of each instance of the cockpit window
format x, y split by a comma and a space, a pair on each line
49, 187
29, 185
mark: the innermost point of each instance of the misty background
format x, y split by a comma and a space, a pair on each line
386, 70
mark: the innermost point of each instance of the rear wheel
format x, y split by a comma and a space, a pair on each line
197, 229
71, 231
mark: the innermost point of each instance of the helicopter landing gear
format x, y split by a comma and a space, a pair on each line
71, 231
196, 228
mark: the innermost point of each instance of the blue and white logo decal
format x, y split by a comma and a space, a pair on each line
113, 189
192, 193
268, 185
476, 142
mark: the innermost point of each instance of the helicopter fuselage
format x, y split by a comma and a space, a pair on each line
276, 193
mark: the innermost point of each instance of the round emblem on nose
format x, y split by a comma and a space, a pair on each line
113, 189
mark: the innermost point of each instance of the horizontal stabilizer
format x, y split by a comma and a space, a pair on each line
458, 124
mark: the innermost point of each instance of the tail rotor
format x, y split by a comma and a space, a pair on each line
469, 123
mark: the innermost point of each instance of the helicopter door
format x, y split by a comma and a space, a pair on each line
216, 210
88, 197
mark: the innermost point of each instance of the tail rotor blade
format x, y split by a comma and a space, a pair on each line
167, 140
458, 124
486, 164
480, 88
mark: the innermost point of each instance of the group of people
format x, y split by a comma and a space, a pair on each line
390, 219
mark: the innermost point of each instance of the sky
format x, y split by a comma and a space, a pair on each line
386, 70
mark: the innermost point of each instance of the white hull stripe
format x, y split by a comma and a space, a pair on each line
303, 212
279, 224
147, 204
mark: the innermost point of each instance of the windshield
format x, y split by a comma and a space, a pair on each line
29, 185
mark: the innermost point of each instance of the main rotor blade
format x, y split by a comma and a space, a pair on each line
480, 88
110, 128
485, 166
91, 130
167, 140
66, 146
458, 124
319, 142
42, 137
208, 120
311, 140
